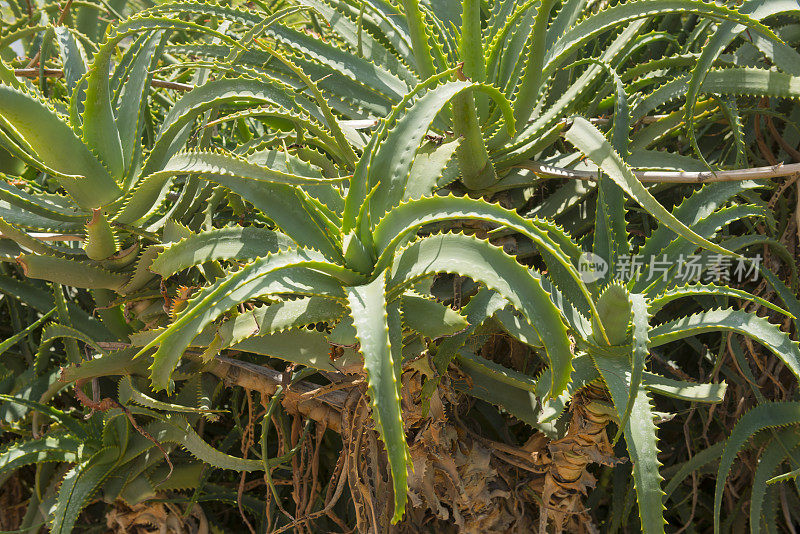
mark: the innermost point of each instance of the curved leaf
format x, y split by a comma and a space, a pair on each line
589, 140
640, 439
747, 324
484, 263
767, 415
368, 308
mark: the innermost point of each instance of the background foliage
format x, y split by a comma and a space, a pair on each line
315, 265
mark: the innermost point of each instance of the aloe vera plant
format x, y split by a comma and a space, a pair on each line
378, 51
113, 457
302, 208
618, 359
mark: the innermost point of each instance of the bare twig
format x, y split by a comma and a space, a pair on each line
46, 236
324, 409
58, 73
681, 177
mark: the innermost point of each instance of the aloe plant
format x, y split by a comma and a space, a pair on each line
378, 51
618, 359
112, 456
364, 259
253, 206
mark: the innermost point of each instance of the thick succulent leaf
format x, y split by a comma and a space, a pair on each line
44, 136
722, 37
691, 290
55, 448
129, 393
130, 112
283, 272
73, 56
215, 163
517, 327
278, 317
13, 340
589, 140
752, 81
100, 129
78, 486
430, 318
545, 129
308, 348
532, 76
372, 77
55, 331
746, 324
787, 443
48, 206
209, 95
219, 244
361, 39
556, 249
707, 227
361, 186
687, 391
216, 166
618, 15
788, 296
641, 320
640, 439
174, 428
295, 212
368, 308
430, 165
480, 307
31, 243
392, 162
505, 388
70, 272
767, 415
120, 362
484, 263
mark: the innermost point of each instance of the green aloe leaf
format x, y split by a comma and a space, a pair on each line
656, 304
683, 390
746, 324
767, 415
484, 263
301, 272
430, 318
45, 137
589, 140
78, 486
640, 439
368, 309
776, 452
54, 448
641, 320
219, 244
70, 272
393, 160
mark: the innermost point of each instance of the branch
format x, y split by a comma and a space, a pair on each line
47, 236
677, 177
58, 73
324, 408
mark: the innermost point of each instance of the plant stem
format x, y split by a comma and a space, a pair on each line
676, 177
477, 171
